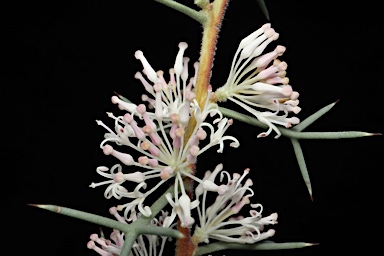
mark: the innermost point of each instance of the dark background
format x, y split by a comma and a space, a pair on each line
64, 60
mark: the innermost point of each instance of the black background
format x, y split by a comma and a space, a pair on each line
64, 60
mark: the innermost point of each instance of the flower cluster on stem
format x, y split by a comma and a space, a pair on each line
220, 220
257, 82
156, 133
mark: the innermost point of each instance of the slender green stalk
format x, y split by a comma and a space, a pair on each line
198, 16
291, 133
263, 8
303, 167
296, 133
153, 230
213, 247
129, 240
202, 3
327, 135
90, 217
140, 226
312, 118
156, 207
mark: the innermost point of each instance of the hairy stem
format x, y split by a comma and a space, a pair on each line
184, 246
214, 14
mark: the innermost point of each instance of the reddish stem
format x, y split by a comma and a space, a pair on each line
185, 246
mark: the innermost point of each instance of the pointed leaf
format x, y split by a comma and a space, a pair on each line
309, 120
212, 247
90, 217
302, 165
263, 8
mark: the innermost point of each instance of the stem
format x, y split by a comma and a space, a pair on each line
218, 246
214, 14
294, 133
303, 167
90, 217
184, 246
211, 28
156, 207
199, 17
153, 230
129, 240
140, 226
312, 118
263, 8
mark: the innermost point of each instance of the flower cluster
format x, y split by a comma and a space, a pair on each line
259, 81
218, 221
144, 244
167, 145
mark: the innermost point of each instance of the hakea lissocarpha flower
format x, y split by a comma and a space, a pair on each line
144, 244
159, 136
258, 83
220, 221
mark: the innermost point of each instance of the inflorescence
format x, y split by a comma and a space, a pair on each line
258, 82
160, 132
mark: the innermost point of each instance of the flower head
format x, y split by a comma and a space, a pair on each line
220, 220
258, 83
158, 133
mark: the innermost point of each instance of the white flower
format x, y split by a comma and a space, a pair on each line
182, 205
218, 221
158, 136
259, 82
218, 138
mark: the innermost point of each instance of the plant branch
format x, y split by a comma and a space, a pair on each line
296, 133
218, 246
198, 16
140, 226
303, 167
156, 207
292, 133
263, 8
90, 217
129, 240
211, 30
214, 14
312, 118
153, 230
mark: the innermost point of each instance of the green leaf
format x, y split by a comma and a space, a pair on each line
140, 226
266, 245
263, 8
312, 118
295, 133
302, 165
198, 16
